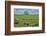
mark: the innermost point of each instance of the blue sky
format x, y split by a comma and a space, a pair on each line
22, 10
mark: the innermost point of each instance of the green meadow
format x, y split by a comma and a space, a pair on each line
22, 20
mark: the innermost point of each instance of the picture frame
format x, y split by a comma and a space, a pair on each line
18, 6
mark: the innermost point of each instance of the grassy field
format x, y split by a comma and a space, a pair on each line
26, 20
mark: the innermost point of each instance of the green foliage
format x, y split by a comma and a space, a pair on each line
26, 20
26, 13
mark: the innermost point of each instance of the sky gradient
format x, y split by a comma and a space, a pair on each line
22, 10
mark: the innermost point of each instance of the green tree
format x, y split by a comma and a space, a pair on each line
26, 12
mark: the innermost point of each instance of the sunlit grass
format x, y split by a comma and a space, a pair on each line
26, 20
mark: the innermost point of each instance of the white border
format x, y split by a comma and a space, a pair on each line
25, 28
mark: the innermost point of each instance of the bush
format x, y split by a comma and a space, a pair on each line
16, 21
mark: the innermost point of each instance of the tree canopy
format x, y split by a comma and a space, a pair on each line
26, 12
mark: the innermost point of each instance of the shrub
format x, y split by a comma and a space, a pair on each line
16, 21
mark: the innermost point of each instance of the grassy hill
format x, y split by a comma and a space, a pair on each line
26, 20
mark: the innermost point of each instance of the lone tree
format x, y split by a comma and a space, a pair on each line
26, 12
